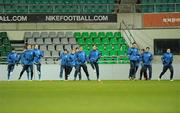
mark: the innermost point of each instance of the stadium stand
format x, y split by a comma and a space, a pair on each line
149, 6
5, 46
57, 6
109, 44
112, 45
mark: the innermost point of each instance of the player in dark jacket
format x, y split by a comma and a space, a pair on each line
37, 59
167, 60
93, 59
133, 55
12, 59
28, 57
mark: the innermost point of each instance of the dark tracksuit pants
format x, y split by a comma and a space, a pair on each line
62, 67
143, 72
38, 67
133, 69
95, 65
10, 69
26, 68
165, 68
67, 71
149, 68
85, 70
77, 72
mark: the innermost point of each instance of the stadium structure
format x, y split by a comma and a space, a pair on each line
112, 25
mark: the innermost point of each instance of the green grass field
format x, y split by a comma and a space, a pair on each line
89, 97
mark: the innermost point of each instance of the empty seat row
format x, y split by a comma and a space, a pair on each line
159, 1
101, 41
97, 34
48, 34
160, 8
51, 53
51, 41
58, 8
109, 47
57, 1
57, 47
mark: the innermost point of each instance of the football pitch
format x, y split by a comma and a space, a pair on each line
89, 97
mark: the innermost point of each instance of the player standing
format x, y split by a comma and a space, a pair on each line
133, 55
147, 60
37, 59
28, 57
167, 60
65, 63
12, 59
142, 70
93, 58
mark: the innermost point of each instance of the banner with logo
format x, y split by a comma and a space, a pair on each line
162, 20
57, 18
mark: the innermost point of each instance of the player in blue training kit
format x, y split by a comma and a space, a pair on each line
72, 60
28, 57
147, 61
77, 67
12, 59
93, 58
167, 60
133, 55
21, 60
37, 59
65, 63
81, 59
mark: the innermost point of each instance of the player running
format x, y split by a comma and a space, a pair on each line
167, 60
77, 67
37, 59
28, 57
81, 59
133, 55
12, 59
147, 61
72, 60
94, 56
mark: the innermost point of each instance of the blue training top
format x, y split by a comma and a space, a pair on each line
72, 59
12, 58
133, 54
167, 59
94, 56
64, 59
81, 57
28, 57
38, 55
147, 58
